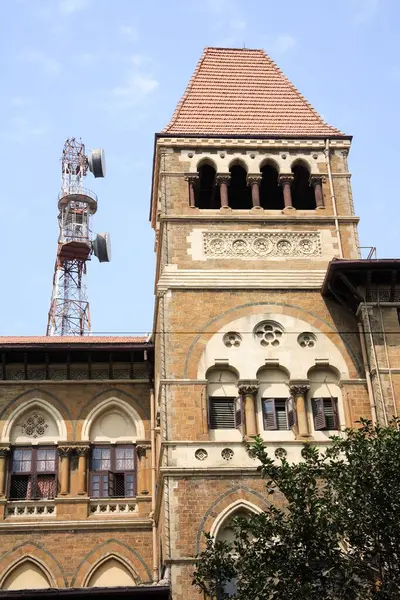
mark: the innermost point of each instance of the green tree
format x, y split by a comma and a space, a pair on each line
333, 535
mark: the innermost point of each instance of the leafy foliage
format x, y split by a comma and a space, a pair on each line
332, 531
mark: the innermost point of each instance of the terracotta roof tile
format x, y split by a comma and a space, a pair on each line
48, 340
243, 92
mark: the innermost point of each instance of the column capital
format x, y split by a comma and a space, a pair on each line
223, 178
141, 450
299, 388
316, 180
285, 178
82, 450
64, 450
192, 177
254, 179
4, 450
248, 386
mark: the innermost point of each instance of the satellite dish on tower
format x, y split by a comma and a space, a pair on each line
101, 247
97, 162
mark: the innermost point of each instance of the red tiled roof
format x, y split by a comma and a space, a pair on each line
243, 92
48, 340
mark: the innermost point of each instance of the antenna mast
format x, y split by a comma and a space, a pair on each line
69, 308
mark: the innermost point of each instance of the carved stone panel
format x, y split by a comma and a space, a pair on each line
261, 244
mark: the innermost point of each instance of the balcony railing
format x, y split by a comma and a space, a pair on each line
31, 508
113, 507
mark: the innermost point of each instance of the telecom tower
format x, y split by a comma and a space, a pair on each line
69, 309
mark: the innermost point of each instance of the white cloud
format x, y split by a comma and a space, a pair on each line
280, 44
136, 88
366, 10
128, 32
47, 64
68, 7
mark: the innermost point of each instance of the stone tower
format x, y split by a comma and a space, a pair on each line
251, 201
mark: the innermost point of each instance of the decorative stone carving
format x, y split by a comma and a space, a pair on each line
307, 340
227, 454
280, 453
64, 451
261, 245
269, 333
4, 452
201, 454
35, 425
220, 179
248, 387
299, 389
232, 339
82, 450
141, 450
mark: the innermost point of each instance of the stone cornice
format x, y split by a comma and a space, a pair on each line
252, 142
112, 523
260, 215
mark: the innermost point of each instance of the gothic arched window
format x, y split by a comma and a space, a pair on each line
239, 193
303, 196
271, 193
208, 191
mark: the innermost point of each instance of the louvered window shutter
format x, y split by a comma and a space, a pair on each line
269, 414
222, 413
319, 413
331, 413
239, 414
291, 412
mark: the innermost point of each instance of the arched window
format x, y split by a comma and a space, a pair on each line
224, 532
26, 575
239, 193
303, 196
222, 399
111, 572
271, 193
35, 427
208, 191
112, 428
325, 398
277, 414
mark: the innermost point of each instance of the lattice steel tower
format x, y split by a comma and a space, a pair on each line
69, 308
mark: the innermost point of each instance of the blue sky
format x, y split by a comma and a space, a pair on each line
111, 72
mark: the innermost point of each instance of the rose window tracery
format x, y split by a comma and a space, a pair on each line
232, 339
269, 333
35, 425
307, 340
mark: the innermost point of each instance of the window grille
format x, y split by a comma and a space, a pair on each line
33, 474
113, 472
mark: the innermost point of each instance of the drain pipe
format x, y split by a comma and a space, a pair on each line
333, 198
153, 484
367, 374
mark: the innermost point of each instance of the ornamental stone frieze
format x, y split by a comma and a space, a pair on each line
261, 245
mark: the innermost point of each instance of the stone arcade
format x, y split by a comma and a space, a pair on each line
116, 454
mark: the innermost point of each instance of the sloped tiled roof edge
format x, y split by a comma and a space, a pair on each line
241, 109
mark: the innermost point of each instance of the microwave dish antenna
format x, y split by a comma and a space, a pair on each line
69, 307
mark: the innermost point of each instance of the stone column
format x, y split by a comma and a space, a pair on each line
299, 393
254, 181
286, 182
143, 483
192, 179
248, 390
316, 182
64, 454
82, 452
3, 469
223, 182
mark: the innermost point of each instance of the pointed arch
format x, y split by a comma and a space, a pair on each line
135, 427
229, 512
60, 432
27, 573
110, 571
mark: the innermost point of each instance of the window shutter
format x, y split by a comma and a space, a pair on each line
335, 414
239, 414
291, 412
319, 413
269, 414
222, 413
111, 484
